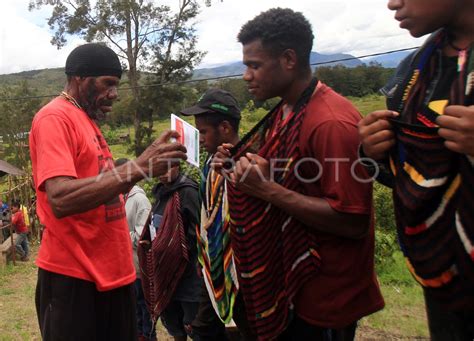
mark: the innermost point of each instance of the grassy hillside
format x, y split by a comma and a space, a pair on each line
45, 81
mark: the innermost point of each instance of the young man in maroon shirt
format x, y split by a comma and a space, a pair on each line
328, 201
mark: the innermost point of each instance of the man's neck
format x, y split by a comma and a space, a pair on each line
72, 91
234, 140
295, 89
172, 182
462, 30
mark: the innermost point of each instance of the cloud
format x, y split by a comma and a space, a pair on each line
25, 40
340, 26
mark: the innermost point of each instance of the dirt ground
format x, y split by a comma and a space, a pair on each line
365, 333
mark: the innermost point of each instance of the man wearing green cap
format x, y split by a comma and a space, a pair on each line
217, 117
86, 273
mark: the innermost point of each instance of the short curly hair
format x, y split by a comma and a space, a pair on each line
280, 29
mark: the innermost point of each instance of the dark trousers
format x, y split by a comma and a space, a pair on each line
178, 317
72, 309
302, 330
207, 325
447, 325
145, 325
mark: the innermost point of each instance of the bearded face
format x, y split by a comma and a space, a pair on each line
97, 95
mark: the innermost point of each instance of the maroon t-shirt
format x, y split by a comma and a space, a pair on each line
346, 288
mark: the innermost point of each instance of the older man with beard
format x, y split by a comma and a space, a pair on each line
86, 273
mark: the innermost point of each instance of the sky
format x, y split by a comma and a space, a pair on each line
340, 26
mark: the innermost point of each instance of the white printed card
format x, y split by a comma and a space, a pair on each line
189, 138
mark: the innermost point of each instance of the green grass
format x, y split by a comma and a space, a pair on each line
17, 309
404, 314
369, 103
18, 321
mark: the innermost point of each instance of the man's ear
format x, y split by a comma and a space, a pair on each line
289, 59
225, 128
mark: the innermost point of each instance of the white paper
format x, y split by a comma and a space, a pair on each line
189, 138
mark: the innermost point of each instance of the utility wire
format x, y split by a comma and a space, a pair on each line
220, 77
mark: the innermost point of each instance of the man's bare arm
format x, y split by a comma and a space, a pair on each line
71, 196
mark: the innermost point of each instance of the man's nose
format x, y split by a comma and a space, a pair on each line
112, 93
394, 4
247, 75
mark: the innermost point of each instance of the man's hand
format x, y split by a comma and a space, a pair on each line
457, 128
252, 175
376, 134
222, 158
161, 155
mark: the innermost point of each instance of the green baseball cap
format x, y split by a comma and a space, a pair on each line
215, 100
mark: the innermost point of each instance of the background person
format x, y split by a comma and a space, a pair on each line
21, 229
173, 287
137, 209
217, 117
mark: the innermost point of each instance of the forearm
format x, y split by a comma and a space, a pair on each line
379, 169
71, 196
316, 213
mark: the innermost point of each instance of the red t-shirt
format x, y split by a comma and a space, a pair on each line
18, 221
94, 245
346, 288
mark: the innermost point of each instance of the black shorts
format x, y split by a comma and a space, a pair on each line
73, 309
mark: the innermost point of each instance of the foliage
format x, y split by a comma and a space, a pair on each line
237, 87
358, 81
250, 117
15, 122
122, 113
385, 230
396, 271
146, 36
111, 135
44, 82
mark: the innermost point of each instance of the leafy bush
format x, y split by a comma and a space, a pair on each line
112, 136
385, 230
396, 272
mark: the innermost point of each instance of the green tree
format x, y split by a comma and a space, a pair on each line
145, 35
15, 122
358, 81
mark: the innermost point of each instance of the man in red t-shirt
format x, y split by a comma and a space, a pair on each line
86, 272
327, 202
21, 229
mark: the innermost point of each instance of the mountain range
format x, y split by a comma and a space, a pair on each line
48, 80
237, 68
316, 59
